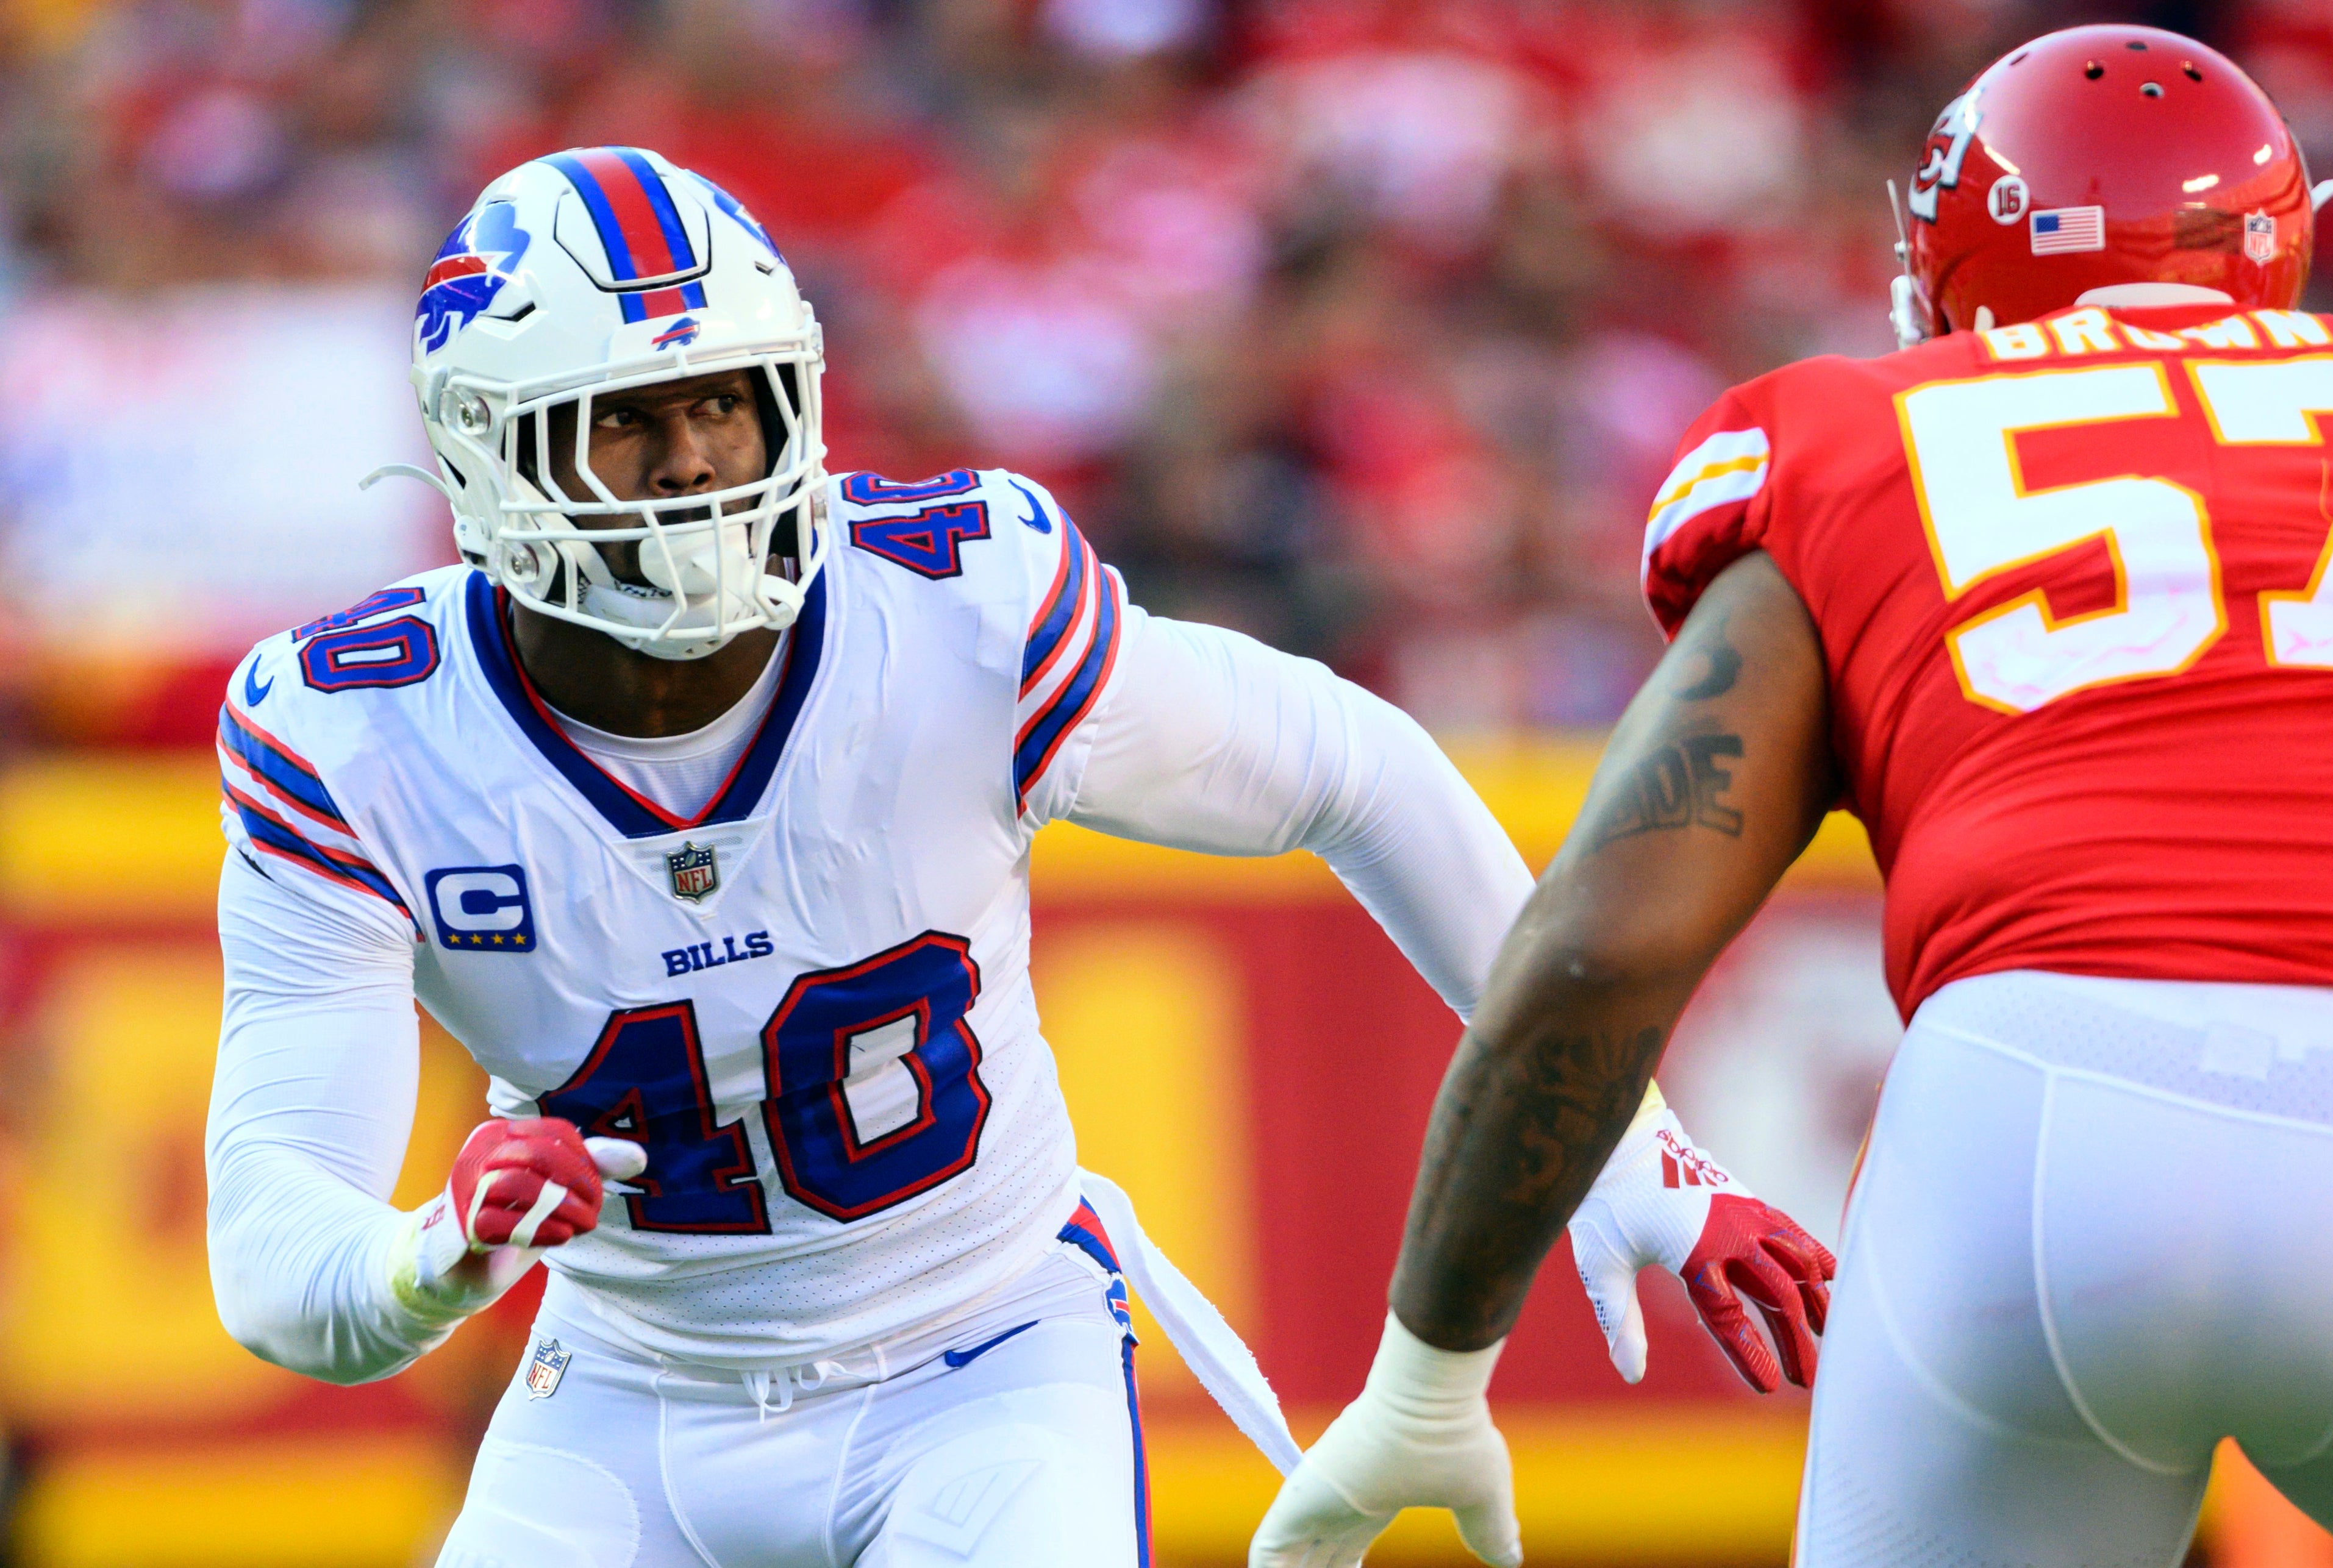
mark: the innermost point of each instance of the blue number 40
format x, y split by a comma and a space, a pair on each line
875, 1095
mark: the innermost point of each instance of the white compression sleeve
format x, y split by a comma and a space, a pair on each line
1210, 740
318, 1069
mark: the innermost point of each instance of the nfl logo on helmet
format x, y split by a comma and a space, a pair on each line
2260, 237
694, 871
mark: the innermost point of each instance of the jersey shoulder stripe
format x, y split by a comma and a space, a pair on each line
1053, 614
1728, 466
288, 778
275, 797
269, 834
1048, 632
1072, 648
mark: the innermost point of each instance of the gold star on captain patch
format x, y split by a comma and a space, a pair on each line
498, 939
520, 938
477, 941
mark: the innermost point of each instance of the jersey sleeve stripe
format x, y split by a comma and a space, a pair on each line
275, 768
271, 833
1085, 1232
1049, 633
1059, 718
1730, 466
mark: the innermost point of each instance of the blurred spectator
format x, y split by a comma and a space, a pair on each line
1364, 325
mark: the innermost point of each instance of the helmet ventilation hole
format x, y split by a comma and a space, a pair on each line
2189, 67
2151, 90
2135, 44
2094, 71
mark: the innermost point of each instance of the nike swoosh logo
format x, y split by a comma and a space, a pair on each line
253, 694
964, 1358
1036, 518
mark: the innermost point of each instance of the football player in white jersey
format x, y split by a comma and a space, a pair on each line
696, 804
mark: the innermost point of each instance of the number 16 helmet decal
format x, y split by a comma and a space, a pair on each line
2100, 155
596, 270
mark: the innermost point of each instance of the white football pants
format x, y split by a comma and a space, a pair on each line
1012, 1443
2093, 1235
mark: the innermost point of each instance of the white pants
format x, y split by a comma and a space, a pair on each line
2092, 1237
1014, 1442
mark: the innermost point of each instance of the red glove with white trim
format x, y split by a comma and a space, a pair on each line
519, 1186
1662, 1203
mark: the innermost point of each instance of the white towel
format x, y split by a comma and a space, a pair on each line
1209, 1345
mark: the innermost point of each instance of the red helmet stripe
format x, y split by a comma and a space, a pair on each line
635, 212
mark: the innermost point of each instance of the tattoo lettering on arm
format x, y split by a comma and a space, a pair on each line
1676, 784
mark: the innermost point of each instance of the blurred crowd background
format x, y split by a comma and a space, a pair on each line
1365, 325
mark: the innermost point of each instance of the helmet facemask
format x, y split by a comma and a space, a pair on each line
675, 577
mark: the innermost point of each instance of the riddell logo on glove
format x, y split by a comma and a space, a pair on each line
1683, 1165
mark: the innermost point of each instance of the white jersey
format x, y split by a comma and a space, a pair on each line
810, 1002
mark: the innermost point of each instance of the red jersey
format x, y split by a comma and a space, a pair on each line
2069, 581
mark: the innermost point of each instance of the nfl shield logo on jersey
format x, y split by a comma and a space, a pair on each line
694, 871
546, 1368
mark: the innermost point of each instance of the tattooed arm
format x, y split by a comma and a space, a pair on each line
1714, 781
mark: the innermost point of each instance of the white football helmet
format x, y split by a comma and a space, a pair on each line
580, 275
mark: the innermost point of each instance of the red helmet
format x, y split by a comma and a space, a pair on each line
2100, 155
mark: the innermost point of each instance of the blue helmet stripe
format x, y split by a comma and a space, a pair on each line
603, 216
668, 215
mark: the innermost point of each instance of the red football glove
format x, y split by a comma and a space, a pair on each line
529, 1183
1662, 1203
1760, 1252
518, 1186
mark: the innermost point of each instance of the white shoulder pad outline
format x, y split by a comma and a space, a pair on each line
1070, 648
1730, 466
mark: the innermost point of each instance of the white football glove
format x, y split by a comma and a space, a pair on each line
518, 1187
1419, 1435
1662, 1203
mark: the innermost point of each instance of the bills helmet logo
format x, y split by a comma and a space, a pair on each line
695, 870
736, 210
479, 257
679, 335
